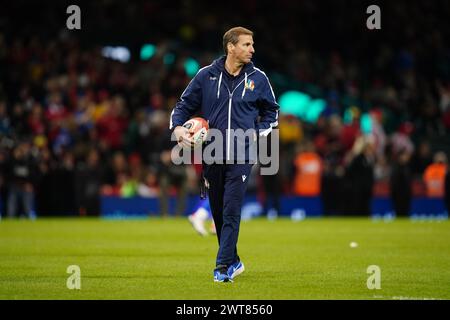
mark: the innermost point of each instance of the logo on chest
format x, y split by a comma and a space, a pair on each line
250, 85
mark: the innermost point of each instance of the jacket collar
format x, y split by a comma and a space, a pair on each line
219, 66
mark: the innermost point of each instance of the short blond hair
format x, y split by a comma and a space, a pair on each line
232, 36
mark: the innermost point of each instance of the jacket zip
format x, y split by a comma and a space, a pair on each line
230, 97
229, 123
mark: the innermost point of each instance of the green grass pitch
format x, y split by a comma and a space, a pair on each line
165, 259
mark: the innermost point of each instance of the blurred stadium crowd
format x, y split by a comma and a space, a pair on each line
75, 124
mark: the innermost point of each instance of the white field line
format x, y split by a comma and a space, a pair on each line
406, 298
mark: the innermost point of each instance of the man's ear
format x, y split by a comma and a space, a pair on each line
229, 46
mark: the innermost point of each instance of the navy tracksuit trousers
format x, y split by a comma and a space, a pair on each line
226, 184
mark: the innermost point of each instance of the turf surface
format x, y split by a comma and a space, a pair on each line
165, 259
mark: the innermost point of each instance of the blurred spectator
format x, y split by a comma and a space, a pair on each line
400, 184
127, 185
333, 186
378, 132
308, 173
36, 120
44, 186
148, 187
136, 136
116, 170
21, 178
401, 141
291, 131
89, 177
350, 131
18, 121
136, 167
112, 125
64, 194
171, 175
173, 179
330, 142
434, 176
359, 174
270, 183
5, 122
421, 159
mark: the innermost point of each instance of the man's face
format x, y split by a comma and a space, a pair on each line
243, 50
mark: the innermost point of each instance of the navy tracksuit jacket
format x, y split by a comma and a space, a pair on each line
228, 102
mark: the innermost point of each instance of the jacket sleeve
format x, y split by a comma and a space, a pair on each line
268, 110
188, 104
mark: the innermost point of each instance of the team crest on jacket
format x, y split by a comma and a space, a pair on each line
250, 84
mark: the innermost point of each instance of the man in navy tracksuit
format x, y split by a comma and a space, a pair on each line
230, 94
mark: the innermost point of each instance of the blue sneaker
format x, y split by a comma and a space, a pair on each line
235, 269
221, 275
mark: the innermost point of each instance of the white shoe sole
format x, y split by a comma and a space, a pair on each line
238, 272
229, 280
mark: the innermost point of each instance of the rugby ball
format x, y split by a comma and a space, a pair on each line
198, 128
